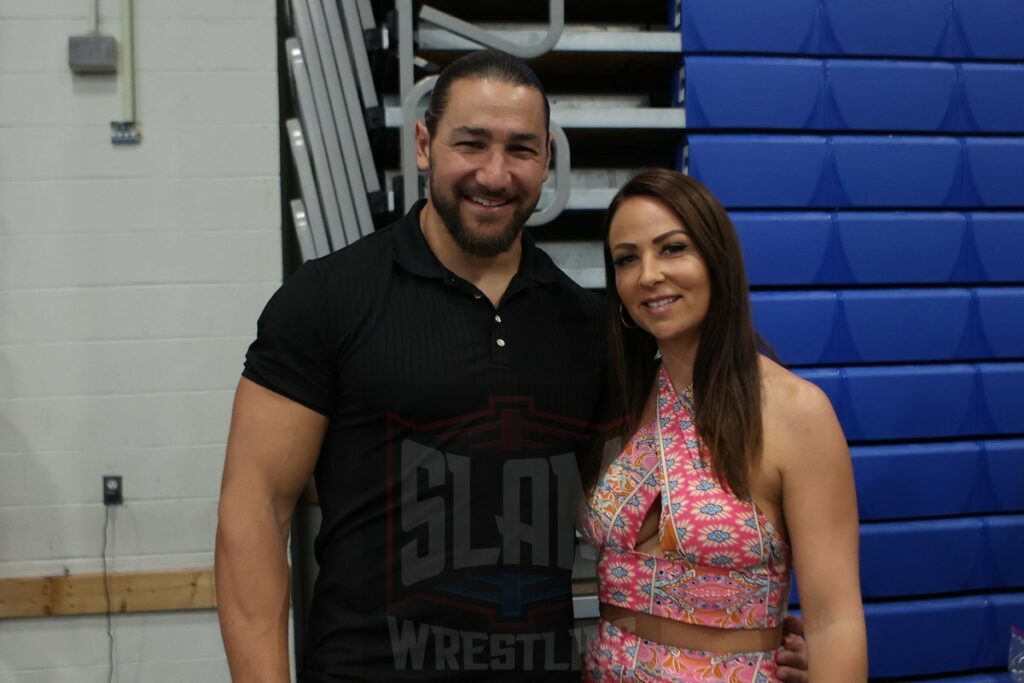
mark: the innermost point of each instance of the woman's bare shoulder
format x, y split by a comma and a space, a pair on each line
792, 404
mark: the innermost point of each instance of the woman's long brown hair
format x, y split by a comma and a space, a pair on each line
726, 373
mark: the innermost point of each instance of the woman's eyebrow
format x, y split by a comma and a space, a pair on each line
665, 236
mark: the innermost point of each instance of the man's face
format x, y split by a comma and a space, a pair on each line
487, 161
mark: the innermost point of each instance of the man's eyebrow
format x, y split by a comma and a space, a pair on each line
479, 132
471, 130
525, 137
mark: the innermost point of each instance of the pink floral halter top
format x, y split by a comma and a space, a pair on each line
723, 564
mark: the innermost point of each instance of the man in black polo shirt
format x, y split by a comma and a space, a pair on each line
438, 378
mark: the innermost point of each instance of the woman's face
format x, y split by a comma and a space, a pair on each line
662, 280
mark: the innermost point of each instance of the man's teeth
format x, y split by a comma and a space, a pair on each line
488, 202
661, 303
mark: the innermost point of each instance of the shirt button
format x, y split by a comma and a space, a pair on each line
497, 318
501, 342
478, 296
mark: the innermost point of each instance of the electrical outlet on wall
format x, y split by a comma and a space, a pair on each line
92, 54
113, 489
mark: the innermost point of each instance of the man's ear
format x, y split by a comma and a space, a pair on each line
422, 146
551, 156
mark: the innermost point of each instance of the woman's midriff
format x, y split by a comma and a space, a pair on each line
691, 636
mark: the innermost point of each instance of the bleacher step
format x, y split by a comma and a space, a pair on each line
577, 38
605, 112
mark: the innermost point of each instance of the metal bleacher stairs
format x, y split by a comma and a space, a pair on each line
871, 154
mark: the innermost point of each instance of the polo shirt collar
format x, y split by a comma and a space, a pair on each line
411, 249
414, 255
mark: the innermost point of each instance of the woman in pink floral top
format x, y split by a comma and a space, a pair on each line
730, 461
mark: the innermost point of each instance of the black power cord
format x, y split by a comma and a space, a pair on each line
106, 594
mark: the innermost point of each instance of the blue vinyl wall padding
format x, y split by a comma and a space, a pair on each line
971, 678
891, 325
910, 481
925, 637
992, 97
961, 29
989, 28
924, 401
819, 155
803, 171
917, 558
750, 26
812, 248
911, 27
843, 94
944, 635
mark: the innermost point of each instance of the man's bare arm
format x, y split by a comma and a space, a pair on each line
272, 449
792, 660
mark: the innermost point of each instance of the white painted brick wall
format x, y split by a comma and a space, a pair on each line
150, 648
130, 283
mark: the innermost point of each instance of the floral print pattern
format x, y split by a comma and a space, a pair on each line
615, 655
722, 564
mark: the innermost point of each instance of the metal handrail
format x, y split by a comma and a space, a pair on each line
556, 23
410, 174
403, 9
562, 182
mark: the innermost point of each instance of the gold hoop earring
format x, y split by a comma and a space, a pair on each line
622, 317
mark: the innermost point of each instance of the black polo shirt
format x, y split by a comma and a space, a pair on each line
447, 475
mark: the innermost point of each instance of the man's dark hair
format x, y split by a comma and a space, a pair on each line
493, 64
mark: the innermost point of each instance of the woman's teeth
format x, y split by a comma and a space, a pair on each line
661, 303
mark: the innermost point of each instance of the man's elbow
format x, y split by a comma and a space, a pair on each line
247, 518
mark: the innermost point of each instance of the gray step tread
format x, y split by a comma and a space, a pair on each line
575, 38
591, 112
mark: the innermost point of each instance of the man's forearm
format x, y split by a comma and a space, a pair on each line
252, 593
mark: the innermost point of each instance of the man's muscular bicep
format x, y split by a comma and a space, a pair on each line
272, 448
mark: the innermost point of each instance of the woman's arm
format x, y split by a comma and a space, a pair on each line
820, 509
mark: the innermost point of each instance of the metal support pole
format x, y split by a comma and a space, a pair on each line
406, 53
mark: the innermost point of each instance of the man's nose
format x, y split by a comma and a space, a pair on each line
494, 174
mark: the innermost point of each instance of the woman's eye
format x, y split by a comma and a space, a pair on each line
675, 248
623, 260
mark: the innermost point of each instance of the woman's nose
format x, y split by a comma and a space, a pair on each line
650, 271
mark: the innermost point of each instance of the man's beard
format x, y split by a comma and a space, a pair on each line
486, 246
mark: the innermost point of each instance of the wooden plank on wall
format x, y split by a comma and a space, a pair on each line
38, 596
